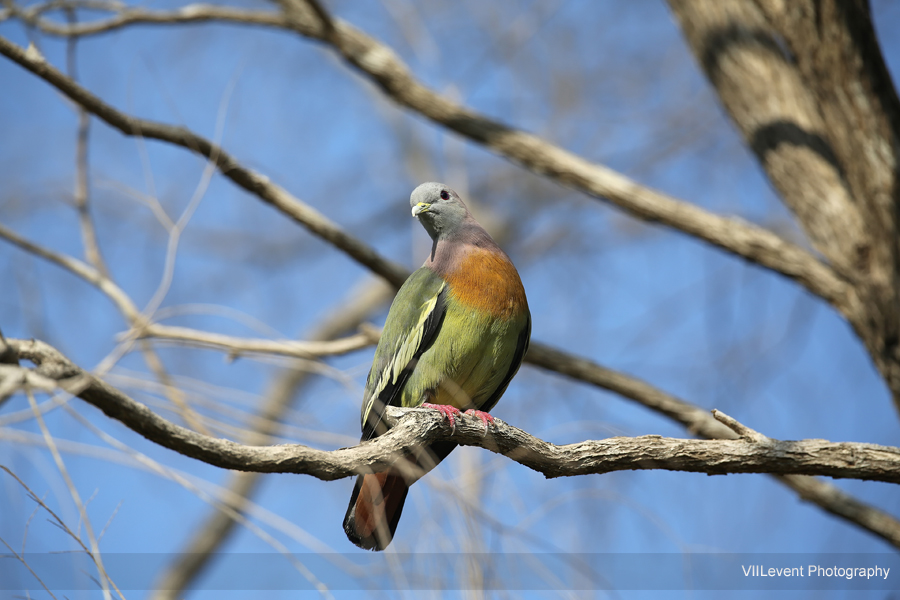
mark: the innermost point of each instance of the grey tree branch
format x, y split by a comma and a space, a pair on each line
125, 16
702, 423
86, 272
379, 63
141, 329
779, 117
412, 428
836, 52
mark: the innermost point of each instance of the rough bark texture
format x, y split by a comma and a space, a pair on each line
806, 85
414, 428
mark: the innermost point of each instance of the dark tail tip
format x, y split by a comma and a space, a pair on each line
374, 511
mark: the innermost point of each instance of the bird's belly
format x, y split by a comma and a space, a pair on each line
467, 362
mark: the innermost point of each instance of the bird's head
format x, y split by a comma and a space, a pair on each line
438, 208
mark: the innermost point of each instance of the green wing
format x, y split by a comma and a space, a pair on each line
412, 323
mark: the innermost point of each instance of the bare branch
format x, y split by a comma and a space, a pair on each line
238, 345
836, 51
839, 503
105, 579
739, 428
703, 423
779, 117
79, 268
125, 16
413, 428
82, 176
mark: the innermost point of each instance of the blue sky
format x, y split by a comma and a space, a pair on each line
611, 81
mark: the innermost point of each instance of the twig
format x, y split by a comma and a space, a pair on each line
88, 231
105, 580
122, 301
739, 428
237, 345
126, 16
84, 271
89, 236
226, 506
21, 558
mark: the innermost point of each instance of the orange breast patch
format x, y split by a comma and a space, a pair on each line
488, 281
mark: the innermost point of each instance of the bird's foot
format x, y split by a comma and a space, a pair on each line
486, 418
448, 411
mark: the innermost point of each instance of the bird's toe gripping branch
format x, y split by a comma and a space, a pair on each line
448, 411
486, 418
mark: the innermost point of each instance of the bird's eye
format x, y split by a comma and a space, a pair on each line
445, 195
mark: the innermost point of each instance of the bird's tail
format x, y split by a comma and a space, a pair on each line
377, 499
374, 511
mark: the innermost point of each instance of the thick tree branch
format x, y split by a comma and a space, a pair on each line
702, 423
413, 428
379, 63
806, 85
836, 52
779, 118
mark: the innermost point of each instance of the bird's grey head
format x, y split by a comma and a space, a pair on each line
438, 208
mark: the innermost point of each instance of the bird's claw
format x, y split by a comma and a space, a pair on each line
486, 418
448, 411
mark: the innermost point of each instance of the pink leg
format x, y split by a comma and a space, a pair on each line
485, 417
448, 411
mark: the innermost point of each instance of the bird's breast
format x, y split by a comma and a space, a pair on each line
487, 281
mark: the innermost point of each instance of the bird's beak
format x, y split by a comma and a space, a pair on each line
420, 208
